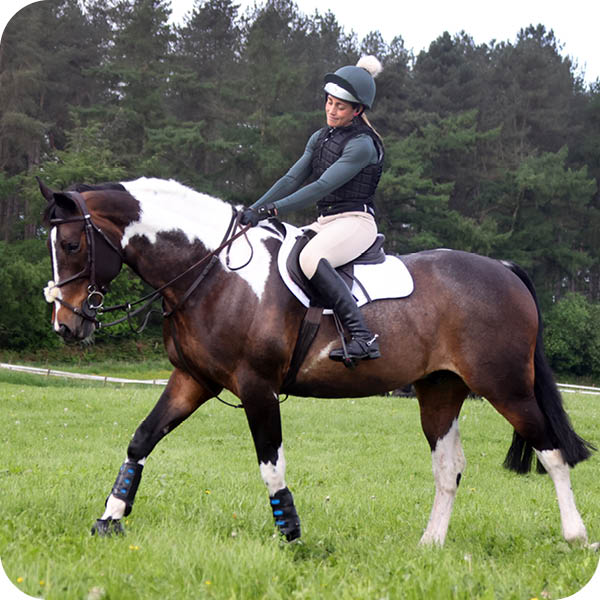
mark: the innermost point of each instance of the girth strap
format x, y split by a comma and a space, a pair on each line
308, 331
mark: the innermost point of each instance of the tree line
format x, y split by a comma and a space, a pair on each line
492, 148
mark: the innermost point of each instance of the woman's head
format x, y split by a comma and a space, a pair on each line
340, 113
355, 84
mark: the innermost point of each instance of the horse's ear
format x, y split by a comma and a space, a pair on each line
63, 200
46, 191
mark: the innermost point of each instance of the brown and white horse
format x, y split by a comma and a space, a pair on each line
472, 323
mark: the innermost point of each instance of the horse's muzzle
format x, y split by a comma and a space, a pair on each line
79, 330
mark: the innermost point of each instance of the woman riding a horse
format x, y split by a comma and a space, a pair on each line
346, 157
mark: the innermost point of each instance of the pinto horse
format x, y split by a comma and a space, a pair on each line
471, 324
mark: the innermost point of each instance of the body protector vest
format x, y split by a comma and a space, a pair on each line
358, 193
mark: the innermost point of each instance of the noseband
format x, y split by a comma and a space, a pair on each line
96, 290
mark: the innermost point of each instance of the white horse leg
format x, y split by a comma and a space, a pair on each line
573, 528
448, 464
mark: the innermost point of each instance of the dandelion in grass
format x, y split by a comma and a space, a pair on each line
19, 580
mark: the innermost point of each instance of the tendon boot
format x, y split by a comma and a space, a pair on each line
363, 344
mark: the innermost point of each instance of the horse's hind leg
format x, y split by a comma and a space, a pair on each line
182, 396
573, 528
441, 396
529, 423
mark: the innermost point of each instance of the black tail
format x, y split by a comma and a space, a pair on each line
574, 449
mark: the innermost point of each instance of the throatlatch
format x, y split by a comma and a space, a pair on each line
285, 515
127, 482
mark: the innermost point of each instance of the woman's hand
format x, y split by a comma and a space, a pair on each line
252, 216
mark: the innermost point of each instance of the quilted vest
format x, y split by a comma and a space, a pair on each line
358, 193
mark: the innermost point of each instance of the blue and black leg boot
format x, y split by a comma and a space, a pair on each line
127, 483
285, 515
124, 488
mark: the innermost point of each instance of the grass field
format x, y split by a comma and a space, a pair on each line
201, 527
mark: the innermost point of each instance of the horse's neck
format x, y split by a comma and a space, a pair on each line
243, 268
168, 207
176, 226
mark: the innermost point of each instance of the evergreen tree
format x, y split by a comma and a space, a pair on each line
135, 74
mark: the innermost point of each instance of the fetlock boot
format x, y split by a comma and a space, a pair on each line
363, 344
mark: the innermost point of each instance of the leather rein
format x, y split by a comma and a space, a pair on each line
94, 303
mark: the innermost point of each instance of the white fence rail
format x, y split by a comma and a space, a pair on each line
580, 389
67, 374
564, 387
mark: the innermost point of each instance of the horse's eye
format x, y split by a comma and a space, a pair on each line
71, 247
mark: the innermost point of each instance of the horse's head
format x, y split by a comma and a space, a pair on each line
84, 261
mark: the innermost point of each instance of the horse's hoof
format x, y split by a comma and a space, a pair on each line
595, 546
106, 527
292, 535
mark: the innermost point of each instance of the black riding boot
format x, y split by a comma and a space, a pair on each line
336, 295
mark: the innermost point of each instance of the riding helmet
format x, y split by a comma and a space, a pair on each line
355, 83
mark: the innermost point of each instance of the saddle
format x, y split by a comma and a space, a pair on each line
373, 275
373, 255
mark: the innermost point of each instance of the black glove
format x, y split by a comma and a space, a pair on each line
251, 216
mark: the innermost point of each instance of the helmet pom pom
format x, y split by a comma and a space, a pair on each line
370, 64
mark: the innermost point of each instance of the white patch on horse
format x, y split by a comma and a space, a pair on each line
170, 206
274, 474
323, 355
115, 508
53, 237
448, 462
572, 525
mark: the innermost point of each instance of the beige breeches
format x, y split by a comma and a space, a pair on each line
340, 239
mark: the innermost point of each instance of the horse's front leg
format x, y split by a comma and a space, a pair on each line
262, 412
182, 396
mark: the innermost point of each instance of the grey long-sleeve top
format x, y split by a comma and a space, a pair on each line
286, 194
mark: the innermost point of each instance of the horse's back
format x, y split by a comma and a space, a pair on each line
463, 279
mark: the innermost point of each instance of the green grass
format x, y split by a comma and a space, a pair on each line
201, 527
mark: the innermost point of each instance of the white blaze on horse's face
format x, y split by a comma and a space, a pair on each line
55, 274
169, 206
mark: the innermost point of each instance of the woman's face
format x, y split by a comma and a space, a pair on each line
339, 113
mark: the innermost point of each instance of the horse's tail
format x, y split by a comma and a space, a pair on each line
574, 449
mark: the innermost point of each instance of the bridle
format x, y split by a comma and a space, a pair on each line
94, 303
96, 291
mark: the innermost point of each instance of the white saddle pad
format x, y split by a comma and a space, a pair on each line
390, 279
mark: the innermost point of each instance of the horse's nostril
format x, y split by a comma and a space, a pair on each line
64, 331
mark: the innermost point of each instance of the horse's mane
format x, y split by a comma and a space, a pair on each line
99, 187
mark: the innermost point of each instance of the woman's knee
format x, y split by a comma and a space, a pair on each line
308, 262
